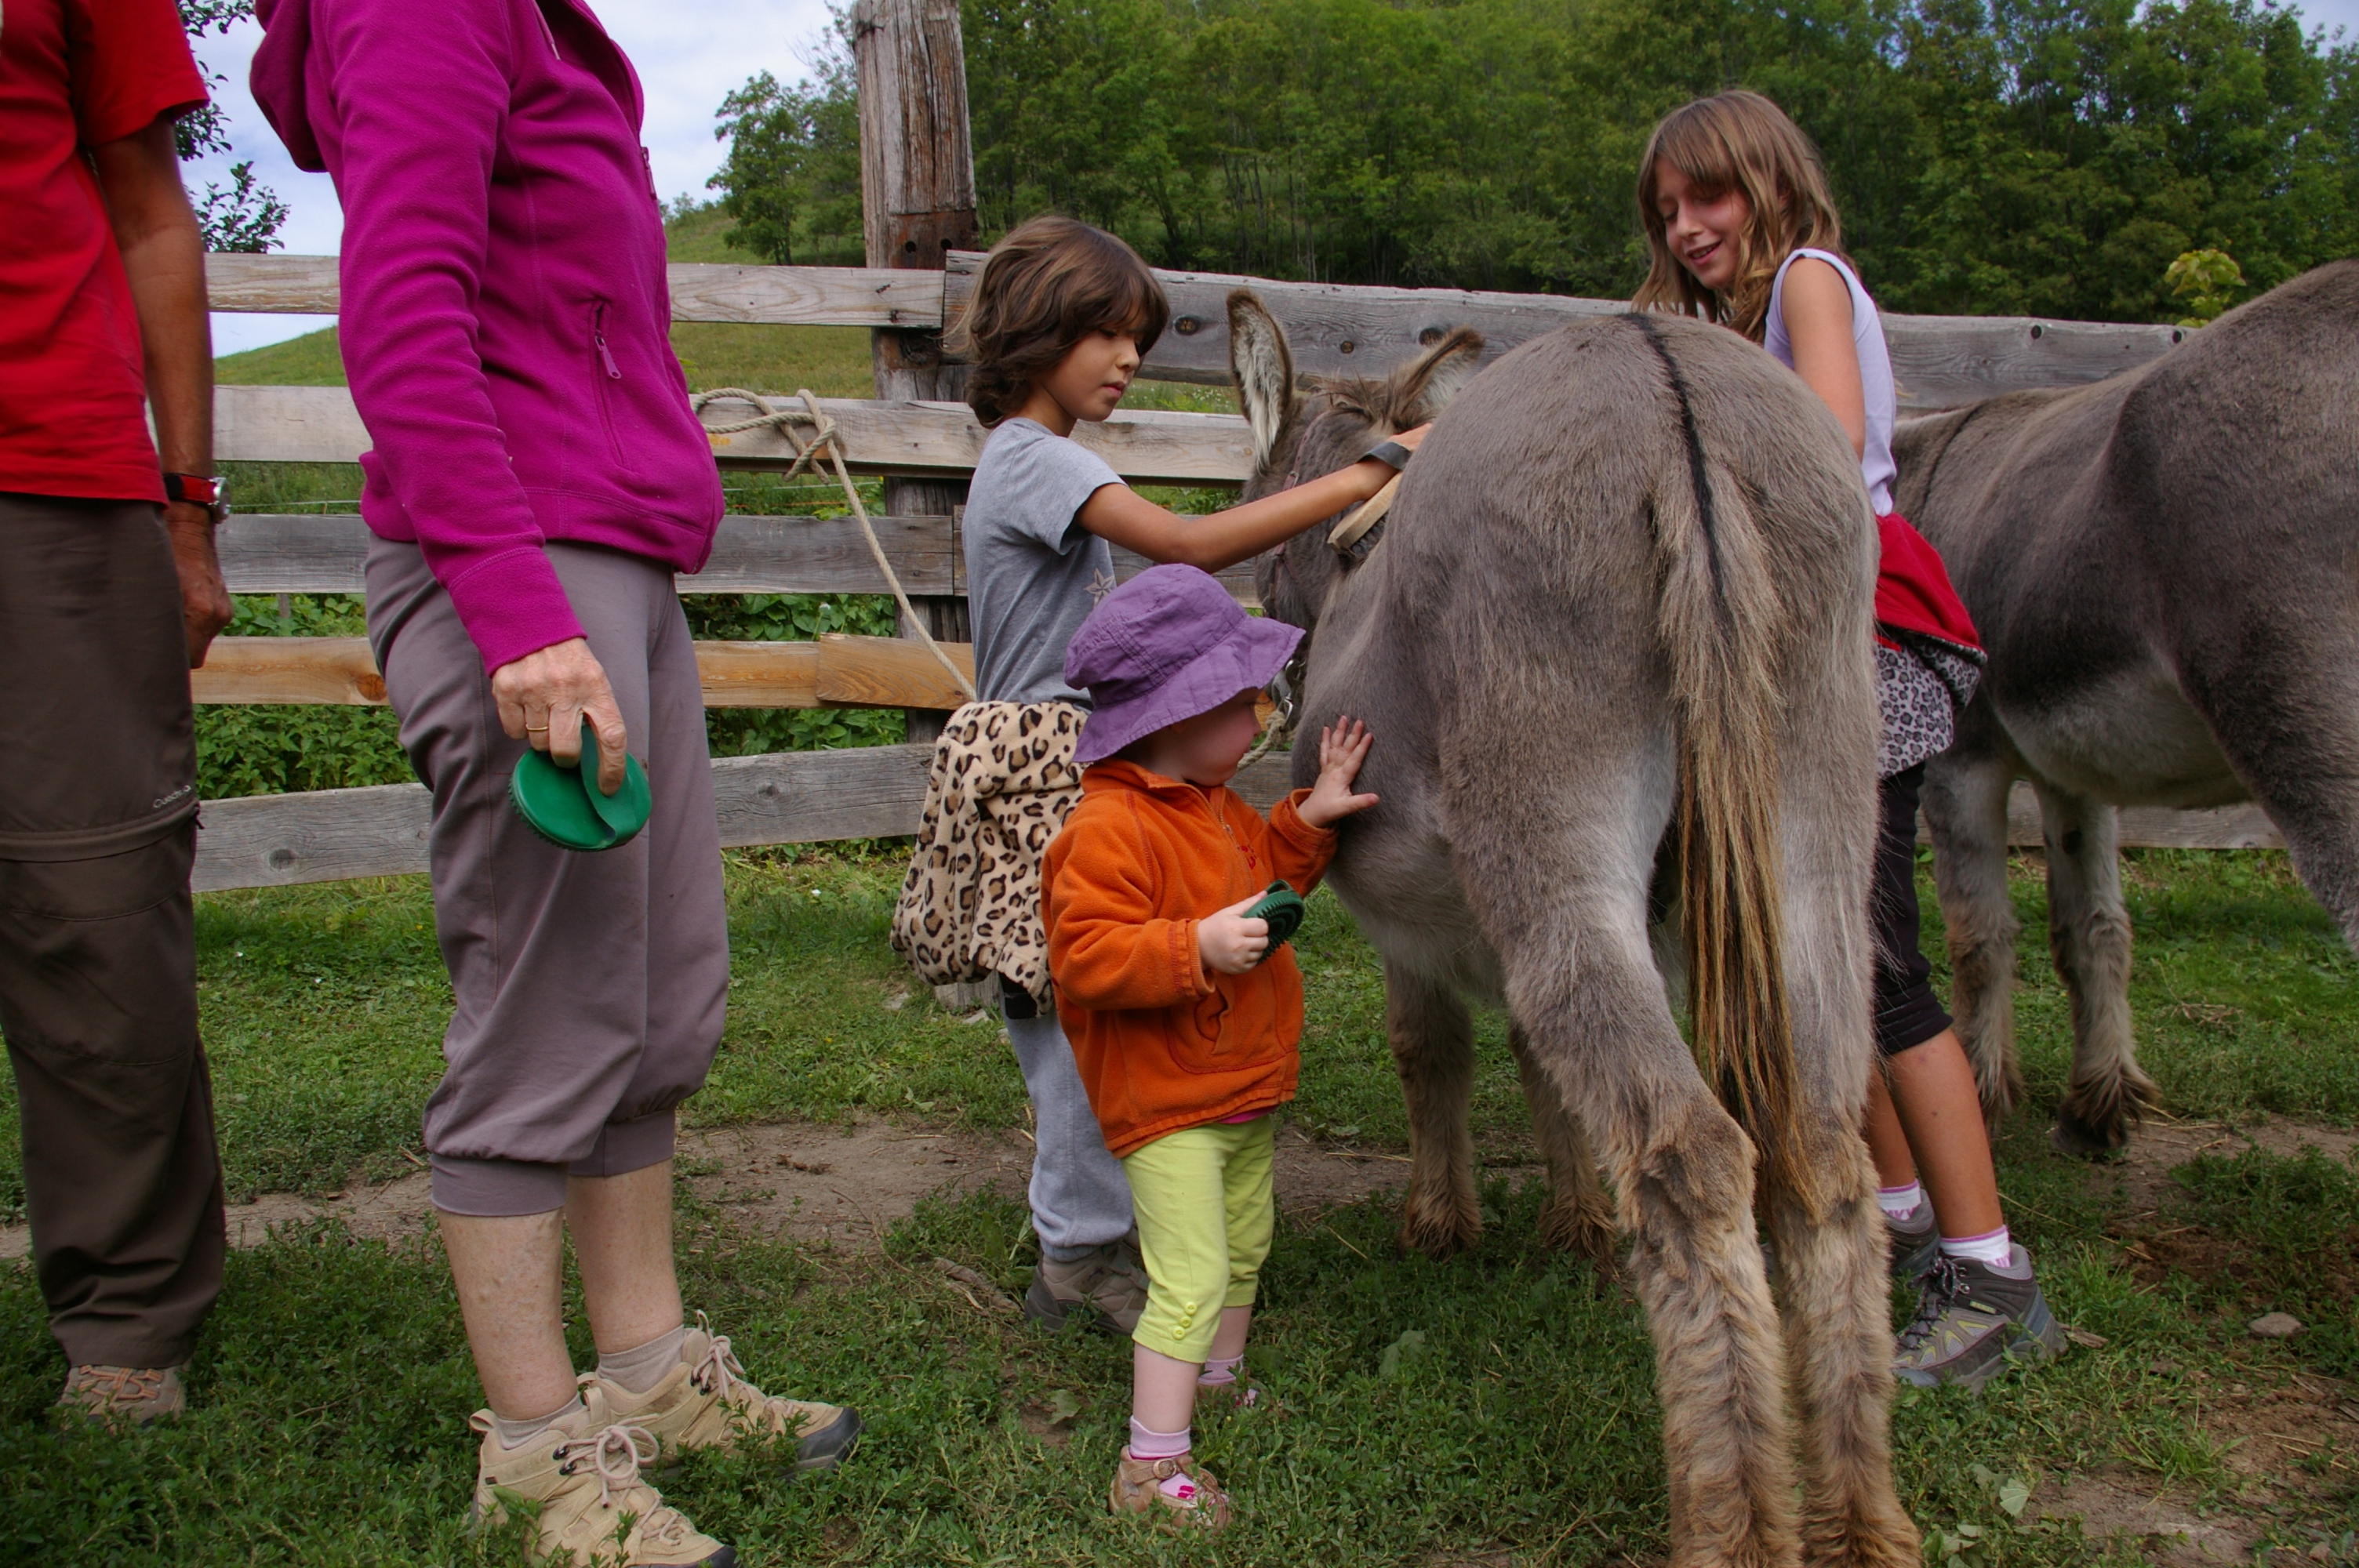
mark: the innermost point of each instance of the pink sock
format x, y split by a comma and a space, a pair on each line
1219, 1369
1149, 1445
1993, 1247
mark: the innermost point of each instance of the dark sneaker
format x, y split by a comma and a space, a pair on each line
1110, 1280
1972, 1318
1916, 1241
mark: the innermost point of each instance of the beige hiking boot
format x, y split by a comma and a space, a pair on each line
1111, 1280
578, 1481
1195, 1503
120, 1397
706, 1403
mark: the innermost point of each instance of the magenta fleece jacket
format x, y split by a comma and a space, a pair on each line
504, 320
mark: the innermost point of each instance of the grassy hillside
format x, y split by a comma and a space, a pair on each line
832, 361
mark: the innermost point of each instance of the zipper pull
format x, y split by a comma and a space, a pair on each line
598, 336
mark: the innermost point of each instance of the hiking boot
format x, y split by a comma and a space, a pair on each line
1915, 1240
1109, 1280
122, 1396
706, 1403
577, 1480
1197, 1502
1971, 1319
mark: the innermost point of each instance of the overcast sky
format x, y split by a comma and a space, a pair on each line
690, 56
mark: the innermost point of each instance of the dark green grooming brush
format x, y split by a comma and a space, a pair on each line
1284, 909
565, 806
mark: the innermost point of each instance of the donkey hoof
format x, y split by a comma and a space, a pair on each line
1565, 1227
1439, 1236
2102, 1139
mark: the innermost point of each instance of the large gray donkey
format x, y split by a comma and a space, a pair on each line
2165, 569
1621, 607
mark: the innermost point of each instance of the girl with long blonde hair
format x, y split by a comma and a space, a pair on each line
1742, 229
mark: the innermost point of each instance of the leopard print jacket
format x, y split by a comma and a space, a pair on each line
1002, 784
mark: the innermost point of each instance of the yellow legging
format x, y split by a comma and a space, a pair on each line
1205, 1206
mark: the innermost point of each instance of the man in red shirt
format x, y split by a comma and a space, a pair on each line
109, 593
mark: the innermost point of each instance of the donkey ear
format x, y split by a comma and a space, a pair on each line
1264, 368
1426, 387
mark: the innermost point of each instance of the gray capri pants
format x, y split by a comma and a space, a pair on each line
589, 988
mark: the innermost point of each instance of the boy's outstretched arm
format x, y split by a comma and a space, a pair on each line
1120, 515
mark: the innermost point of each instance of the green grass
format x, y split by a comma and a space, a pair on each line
1500, 1403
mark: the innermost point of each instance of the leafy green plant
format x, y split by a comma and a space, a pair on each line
2202, 282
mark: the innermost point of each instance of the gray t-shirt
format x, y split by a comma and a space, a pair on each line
1033, 572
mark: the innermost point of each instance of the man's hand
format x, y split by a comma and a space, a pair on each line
1341, 749
1229, 942
204, 600
544, 695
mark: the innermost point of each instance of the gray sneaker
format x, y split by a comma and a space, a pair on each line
1972, 1318
1916, 1240
1110, 1280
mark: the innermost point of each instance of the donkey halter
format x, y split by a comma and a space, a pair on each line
1355, 535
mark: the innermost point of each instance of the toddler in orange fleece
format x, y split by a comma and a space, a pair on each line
1184, 1023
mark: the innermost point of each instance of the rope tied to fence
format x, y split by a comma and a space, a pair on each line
825, 442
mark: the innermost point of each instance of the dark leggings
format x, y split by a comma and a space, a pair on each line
1907, 1011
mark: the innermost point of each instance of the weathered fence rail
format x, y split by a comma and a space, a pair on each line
1940, 361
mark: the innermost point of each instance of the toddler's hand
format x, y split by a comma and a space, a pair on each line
1229, 942
1341, 749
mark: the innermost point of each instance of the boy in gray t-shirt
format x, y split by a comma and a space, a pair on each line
1059, 321
1033, 570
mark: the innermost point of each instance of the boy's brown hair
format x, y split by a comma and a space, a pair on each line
1049, 283
1736, 141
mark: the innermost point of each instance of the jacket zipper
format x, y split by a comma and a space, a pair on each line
598, 336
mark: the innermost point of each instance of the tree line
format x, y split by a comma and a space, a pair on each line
2009, 156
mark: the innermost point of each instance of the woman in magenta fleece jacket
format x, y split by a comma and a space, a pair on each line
536, 480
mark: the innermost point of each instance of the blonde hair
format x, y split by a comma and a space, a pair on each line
1049, 283
1735, 141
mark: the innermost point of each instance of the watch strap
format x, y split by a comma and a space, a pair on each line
192, 489
1390, 453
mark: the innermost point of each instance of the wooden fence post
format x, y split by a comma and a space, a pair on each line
917, 199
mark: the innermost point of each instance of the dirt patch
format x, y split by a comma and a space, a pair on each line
814, 1183
2112, 1504
2159, 1145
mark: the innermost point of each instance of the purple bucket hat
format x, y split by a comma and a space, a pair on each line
1167, 645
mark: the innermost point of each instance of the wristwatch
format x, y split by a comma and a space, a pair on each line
1391, 453
187, 489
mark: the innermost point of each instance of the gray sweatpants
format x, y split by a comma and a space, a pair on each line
1079, 1198
588, 988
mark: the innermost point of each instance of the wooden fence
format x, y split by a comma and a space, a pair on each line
919, 219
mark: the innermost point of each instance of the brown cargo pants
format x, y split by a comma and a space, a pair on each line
98, 996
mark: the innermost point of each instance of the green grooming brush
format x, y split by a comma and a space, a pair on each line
565, 806
1284, 909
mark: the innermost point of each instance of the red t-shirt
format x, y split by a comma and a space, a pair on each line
76, 74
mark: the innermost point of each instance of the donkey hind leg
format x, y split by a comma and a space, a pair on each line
1965, 807
1682, 1174
2089, 939
1835, 1295
1579, 1217
1433, 1050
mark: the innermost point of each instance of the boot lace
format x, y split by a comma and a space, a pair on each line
616, 1456
103, 1388
1944, 1287
720, 1372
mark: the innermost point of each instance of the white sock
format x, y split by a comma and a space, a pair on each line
1992, 1247
1899, 1203
517, 1433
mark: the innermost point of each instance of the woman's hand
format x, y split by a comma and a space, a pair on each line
1230, 942
1341, 748
544, 696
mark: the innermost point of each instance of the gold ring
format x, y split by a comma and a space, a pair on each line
536, 729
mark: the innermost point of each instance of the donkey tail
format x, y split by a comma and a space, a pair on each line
1721, 620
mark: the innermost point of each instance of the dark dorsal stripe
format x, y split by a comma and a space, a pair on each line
1694, 437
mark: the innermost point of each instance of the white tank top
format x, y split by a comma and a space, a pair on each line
1875, 465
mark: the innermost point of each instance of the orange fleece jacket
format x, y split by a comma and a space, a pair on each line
1162, 1042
